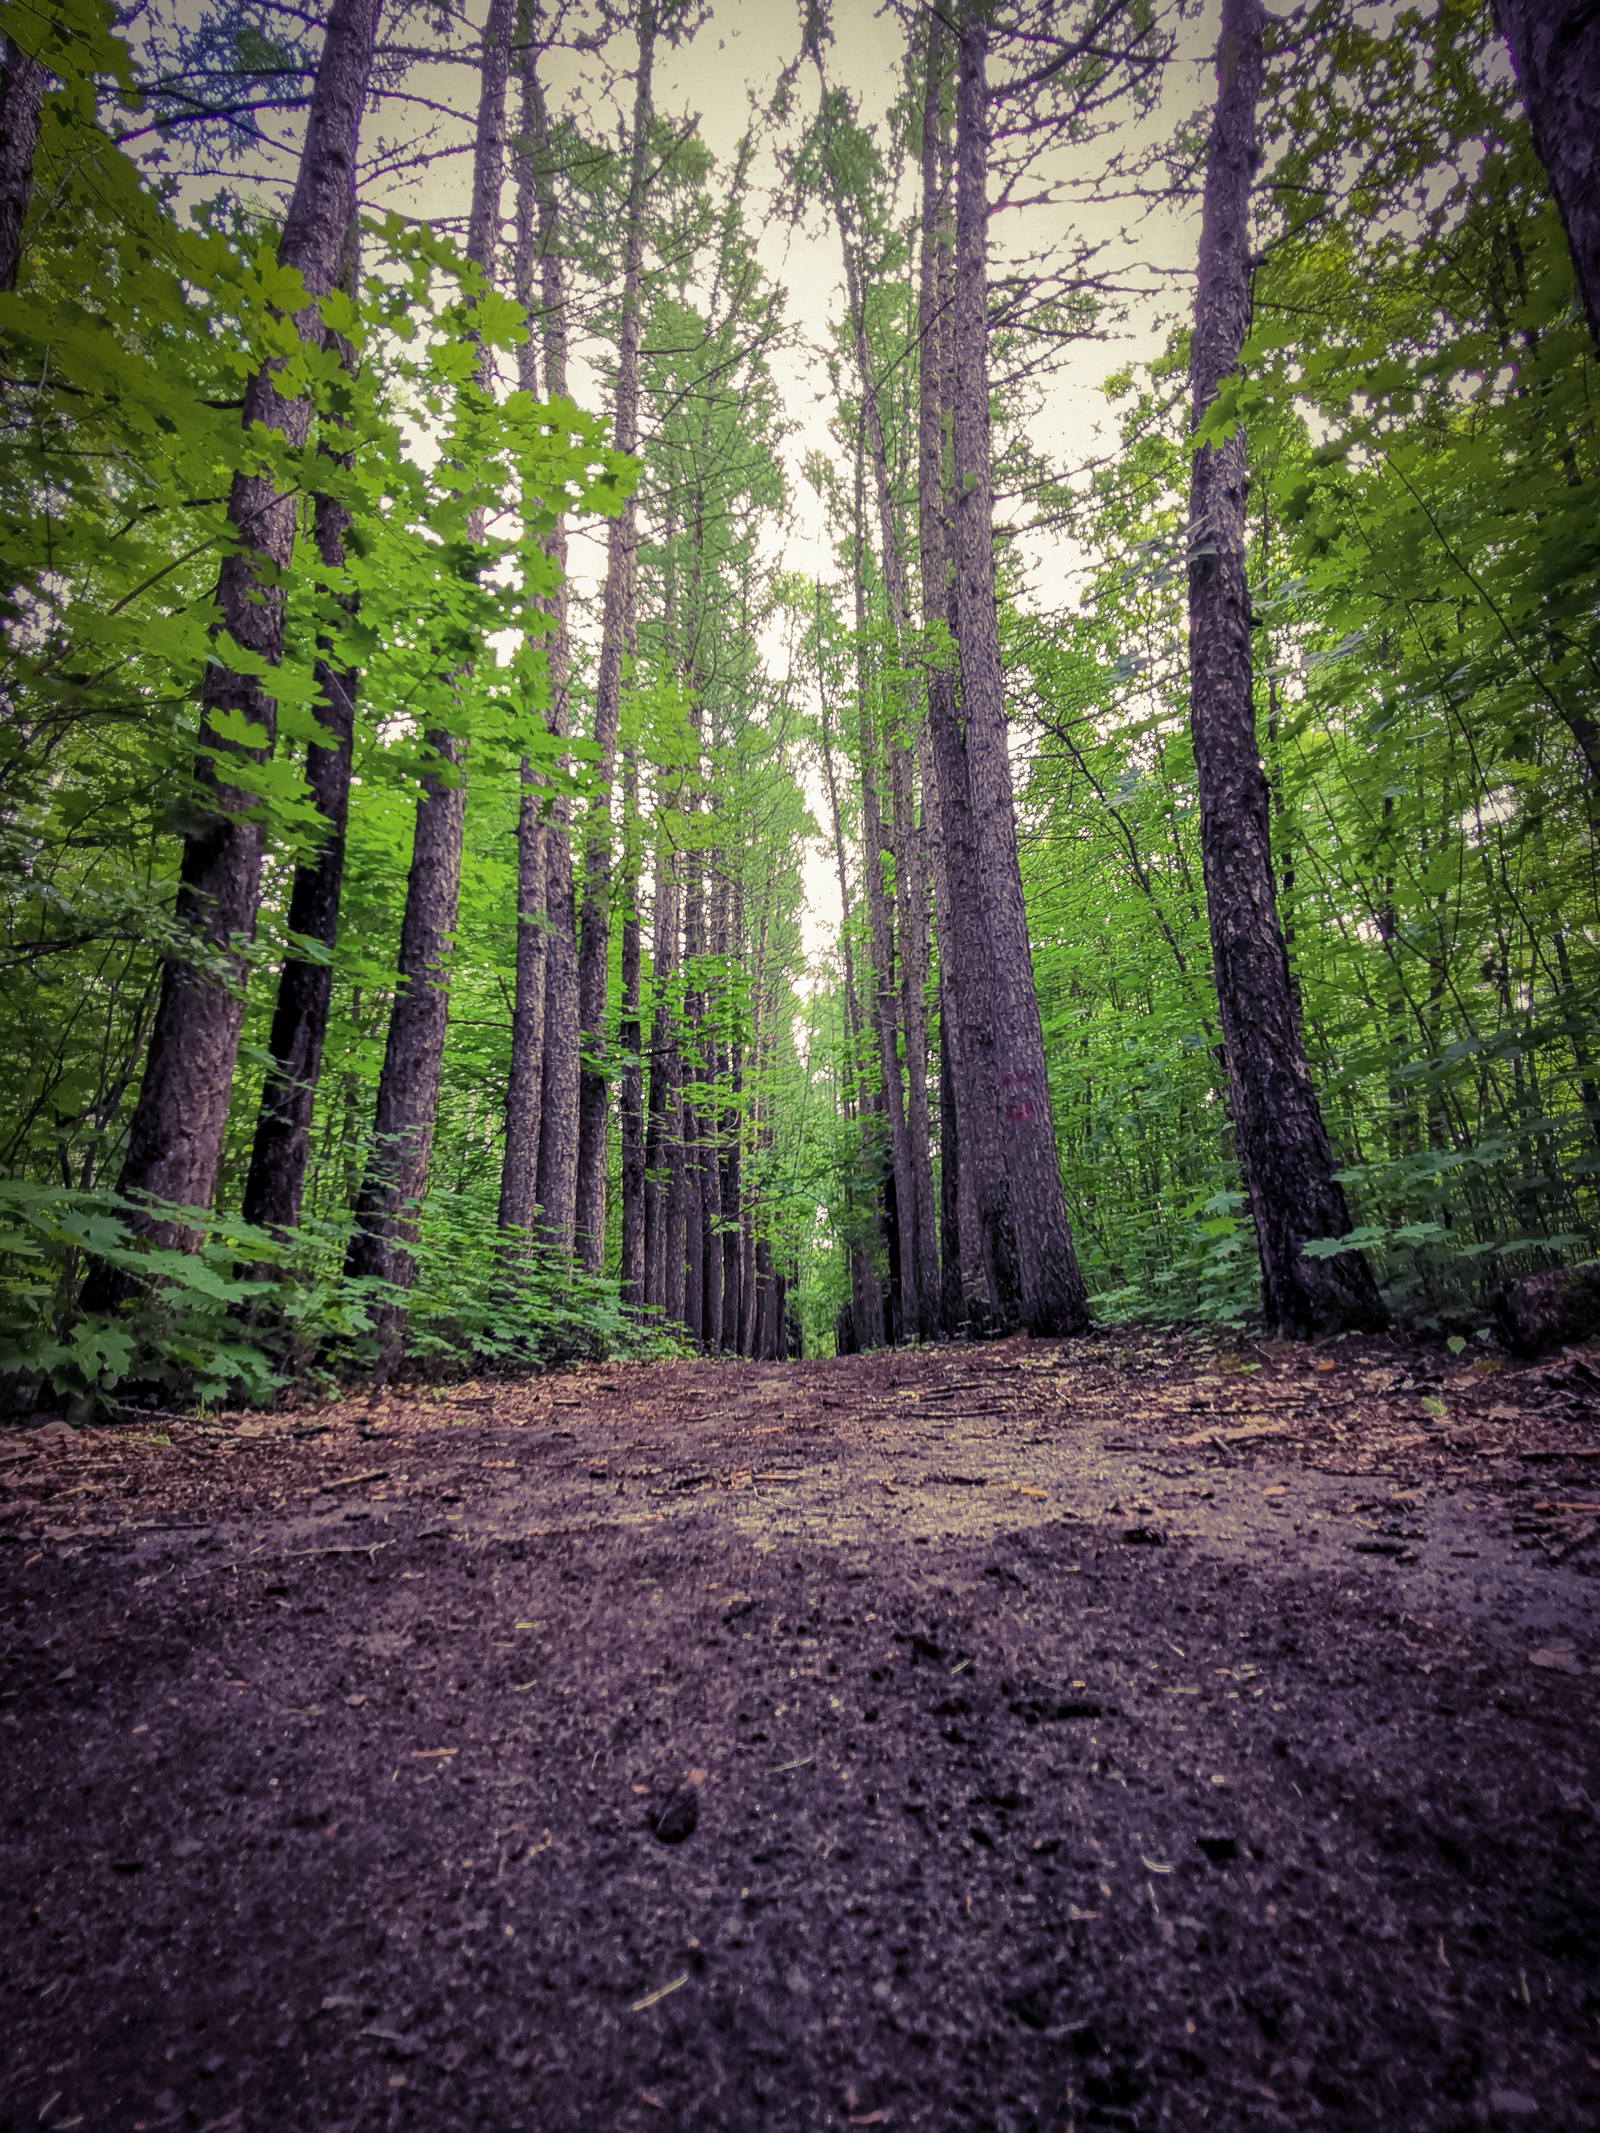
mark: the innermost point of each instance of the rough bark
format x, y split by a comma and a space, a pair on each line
902, 1257
555, 1184
408, 1084
1544, 1310
964, 1285
1555, 46
22, 87
175, 1136
282, 1144
538, 233
1048, 1296
1283, 1148
616, 626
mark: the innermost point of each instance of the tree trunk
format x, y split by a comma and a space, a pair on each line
902, 1258
710, 1149
732, 1127
616, 629
1283, 1148
22, 86
276, 1179
963, 1291
175, 1136
1555, 45
1048, 1296
408, 1086
657, 1174
629, 1040
538, 238
866, 1293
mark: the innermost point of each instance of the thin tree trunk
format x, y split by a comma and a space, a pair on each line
657, 1175
556, 1181
732, 1128
538, 236
175, 1136
278, 1155
629, 1040
1049, 1294
1283, 1147
386, 1210
1555, 45
866, 1294
710, 1138
616, 629
694, 948
749, 1326
22, 86
902, 1259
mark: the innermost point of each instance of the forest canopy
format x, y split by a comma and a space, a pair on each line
559, 796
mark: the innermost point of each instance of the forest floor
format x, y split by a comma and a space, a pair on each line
1154, 1730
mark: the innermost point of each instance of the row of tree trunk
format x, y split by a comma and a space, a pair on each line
995, 1250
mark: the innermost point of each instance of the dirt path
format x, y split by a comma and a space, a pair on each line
1140, 1734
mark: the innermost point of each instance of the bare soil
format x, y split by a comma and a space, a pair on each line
1144, 1732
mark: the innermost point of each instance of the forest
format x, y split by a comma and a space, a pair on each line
480, 891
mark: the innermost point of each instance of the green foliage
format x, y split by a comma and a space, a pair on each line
1417, 395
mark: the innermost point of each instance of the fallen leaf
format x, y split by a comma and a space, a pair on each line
432, 1755
650, 2097
1561, 1657
1020, 1488
871, 2118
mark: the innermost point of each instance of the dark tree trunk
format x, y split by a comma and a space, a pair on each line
277, 1175
675, 1243
1283, 1148
768, 1305
22, 86
556, 1184
866, 1324
175, 1136
710, 1135
964, 1285
694, 1220
557, 1187
732, 1315
662, 1123
616, 630
629, 1040
538, 239
902, 1255
408, 1086
1555, 45
1049, 1295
